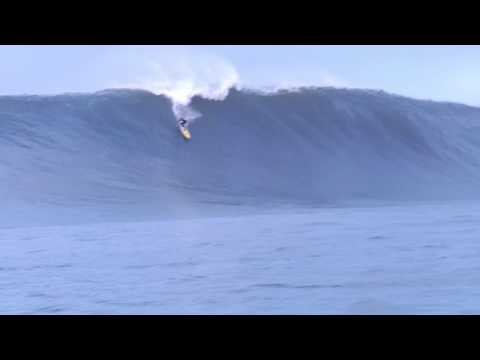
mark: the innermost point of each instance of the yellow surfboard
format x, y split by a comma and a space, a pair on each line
186, 134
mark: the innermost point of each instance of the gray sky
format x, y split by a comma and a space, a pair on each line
450, 73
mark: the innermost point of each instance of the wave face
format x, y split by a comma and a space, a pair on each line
121, 148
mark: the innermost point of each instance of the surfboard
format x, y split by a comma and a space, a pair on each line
185, 133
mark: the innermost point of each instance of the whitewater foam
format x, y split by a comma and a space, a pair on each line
179, 75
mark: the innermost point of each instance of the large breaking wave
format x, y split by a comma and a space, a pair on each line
120, 149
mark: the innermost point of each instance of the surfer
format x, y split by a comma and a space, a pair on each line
183, 123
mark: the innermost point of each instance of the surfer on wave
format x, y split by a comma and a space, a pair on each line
182, 125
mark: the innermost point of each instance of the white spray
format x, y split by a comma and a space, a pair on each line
178, 73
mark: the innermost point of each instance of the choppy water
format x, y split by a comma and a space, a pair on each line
415, 259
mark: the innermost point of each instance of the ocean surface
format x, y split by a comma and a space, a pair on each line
319, 201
